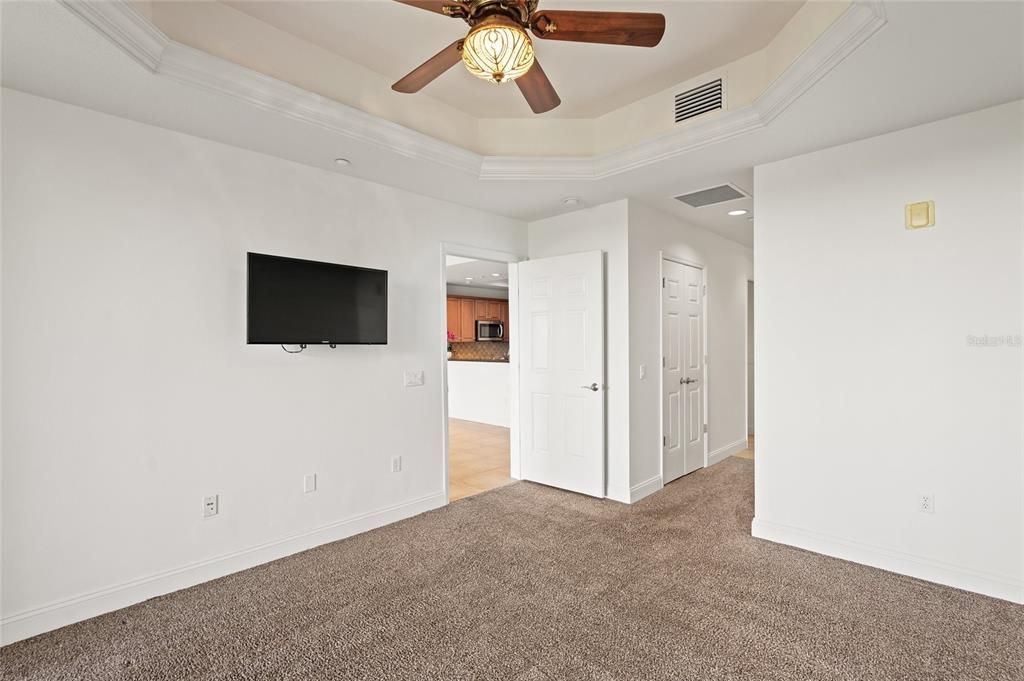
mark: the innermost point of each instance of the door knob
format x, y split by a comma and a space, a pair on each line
593, 386
687, 381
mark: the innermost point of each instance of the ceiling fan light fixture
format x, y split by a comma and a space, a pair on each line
498, 50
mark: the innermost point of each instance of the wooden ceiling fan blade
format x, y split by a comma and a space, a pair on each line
539, 92
429, 5
640, 29
423, 74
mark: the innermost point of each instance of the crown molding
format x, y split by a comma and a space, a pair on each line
125, 27
851, 30
120, 22
195, 67
861, 21
545, 168
140, 39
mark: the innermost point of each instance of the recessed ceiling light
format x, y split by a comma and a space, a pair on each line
571, 201
343, 162
469, 278
495, 275
737, 212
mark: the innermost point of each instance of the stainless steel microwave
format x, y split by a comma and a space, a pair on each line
489, 330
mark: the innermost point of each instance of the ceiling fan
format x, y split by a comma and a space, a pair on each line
498, 48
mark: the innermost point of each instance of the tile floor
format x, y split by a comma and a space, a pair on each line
747, 453
478, 458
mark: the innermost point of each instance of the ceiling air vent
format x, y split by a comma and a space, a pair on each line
707, 197
699, 100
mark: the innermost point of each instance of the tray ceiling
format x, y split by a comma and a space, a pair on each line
391, 39
99, 58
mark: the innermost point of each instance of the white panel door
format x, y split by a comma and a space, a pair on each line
683, 369
561, 364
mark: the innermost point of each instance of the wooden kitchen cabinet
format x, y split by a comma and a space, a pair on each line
503, 315
481, 309
454, 318
463, 314
467, 322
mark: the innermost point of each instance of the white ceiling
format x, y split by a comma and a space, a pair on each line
738, 228
971, 56
477, 273
392, 39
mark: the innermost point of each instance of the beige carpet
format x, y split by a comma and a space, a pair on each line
534, 584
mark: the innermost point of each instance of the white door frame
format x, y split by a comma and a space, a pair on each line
661, 351
746, 354
513, 365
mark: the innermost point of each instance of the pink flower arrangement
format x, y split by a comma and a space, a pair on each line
451, 339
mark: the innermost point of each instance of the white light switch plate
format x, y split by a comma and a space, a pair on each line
643, 371
309, 483
413, 379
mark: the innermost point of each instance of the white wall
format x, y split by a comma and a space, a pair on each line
129, 391
602, 228
868, 394
633, 236
728, 266
480, 391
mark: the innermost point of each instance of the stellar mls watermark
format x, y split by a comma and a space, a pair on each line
986, 341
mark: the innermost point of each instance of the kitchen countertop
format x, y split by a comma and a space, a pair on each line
486, 361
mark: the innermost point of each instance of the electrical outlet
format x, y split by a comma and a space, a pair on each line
413, 379
926, 503
211, 506
396, 464
309, 483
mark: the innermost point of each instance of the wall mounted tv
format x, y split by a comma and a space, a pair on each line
303, 302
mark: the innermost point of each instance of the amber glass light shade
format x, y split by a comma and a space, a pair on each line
498, 50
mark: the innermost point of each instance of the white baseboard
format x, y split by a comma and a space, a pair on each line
619, 494
996, 586
725, 452
645, 488
61, 613
652, 485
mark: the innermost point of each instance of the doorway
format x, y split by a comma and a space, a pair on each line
748, 453
478, 375
552, 360
683, 294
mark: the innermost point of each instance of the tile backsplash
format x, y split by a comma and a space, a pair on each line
485, 351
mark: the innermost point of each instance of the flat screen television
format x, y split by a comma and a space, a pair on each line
303, 302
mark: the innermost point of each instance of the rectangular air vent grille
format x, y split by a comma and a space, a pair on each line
699, 100
707, 197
